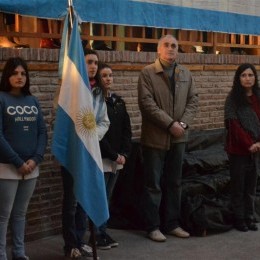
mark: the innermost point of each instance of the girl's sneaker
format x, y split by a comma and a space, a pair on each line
111, 241
102, 243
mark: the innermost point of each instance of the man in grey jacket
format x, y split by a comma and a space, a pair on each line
168, 102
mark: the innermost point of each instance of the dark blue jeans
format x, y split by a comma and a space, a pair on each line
74, 218
162, 187
243, 186
110, 181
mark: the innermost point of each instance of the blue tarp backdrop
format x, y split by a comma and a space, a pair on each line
218, 15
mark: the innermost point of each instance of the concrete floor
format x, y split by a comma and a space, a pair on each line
231, 245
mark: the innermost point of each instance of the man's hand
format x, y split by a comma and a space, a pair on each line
176, 129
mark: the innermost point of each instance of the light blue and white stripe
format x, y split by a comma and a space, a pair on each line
74, 145
233, 16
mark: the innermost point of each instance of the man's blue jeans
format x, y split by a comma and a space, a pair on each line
161, 201
14, 200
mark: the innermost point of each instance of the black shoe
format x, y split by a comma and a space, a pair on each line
21, 258
251, 225
241, 226
101, 242
111, 241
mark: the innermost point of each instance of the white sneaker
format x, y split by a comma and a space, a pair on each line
87, 252
179, 232
156, 236
86, 249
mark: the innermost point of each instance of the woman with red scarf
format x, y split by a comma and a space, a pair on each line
242, 121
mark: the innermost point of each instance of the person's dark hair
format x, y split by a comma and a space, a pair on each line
238, 92
8, 71
98, 89
88, 51
102, 65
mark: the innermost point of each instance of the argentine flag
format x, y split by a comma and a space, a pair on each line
75, 141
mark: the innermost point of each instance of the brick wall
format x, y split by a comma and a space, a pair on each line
213, 75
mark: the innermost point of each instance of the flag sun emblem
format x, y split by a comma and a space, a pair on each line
86, 122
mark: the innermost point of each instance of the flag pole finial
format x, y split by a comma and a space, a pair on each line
70, 3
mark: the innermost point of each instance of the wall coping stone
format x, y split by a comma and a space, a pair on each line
52, 55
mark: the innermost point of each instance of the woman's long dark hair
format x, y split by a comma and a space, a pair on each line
238, 93
8, 71
102, 65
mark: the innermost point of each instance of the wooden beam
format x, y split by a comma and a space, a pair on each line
31, 35
238, 45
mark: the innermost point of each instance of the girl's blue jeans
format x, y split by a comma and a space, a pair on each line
14, 200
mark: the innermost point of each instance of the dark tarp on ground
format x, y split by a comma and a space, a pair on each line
205, 195
206, 213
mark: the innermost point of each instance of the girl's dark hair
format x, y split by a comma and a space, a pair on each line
8, 71
102, 65
238, 92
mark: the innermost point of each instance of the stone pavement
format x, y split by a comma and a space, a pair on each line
231, 245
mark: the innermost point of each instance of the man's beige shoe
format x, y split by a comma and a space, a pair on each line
156, 236
179, 232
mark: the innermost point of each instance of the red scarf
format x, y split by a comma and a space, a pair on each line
92, 82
